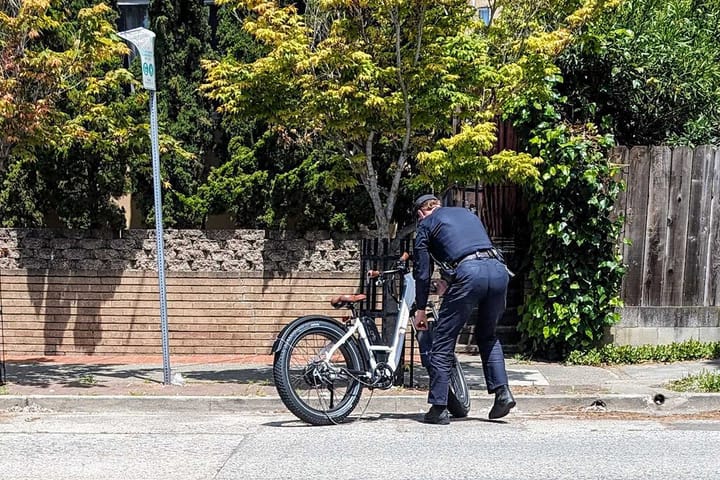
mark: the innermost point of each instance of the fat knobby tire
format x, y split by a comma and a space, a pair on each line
332, 332
458, 394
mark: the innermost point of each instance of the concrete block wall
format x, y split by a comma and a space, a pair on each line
664, 325
185, 251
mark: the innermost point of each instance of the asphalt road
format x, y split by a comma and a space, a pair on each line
36, 445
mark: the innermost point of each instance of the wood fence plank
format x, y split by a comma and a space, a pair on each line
698, 227
635, 221
619, 155
678, 212
713, 284
704, 246
656, 230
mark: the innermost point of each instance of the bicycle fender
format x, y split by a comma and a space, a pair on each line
290, 327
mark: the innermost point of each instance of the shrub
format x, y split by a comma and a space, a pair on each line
576, 271
629, 354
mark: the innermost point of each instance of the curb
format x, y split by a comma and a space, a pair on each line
526, 404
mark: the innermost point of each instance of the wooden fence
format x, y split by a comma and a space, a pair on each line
672, 225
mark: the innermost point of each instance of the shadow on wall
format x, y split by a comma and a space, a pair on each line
86, 291
291, 259
67, 284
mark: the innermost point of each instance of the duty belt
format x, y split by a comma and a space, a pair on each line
488, 253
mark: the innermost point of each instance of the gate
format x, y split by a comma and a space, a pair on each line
503, 211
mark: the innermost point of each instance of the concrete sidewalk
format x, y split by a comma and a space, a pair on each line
235, 383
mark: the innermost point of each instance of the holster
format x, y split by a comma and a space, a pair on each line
448, 274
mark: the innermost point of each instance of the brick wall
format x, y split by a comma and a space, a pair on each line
228, 292
111, 313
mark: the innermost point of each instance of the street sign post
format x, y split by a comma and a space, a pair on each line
144, 42
4, 252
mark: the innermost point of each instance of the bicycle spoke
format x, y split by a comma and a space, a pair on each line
319, 386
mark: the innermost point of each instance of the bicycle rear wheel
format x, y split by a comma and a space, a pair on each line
314, 390
458, 393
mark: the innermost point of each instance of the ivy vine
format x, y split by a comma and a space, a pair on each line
577, 269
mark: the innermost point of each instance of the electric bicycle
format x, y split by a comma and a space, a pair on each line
322, 365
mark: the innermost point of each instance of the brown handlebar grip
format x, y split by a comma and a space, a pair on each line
373, 274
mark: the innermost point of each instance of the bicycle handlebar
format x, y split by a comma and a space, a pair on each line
377, 273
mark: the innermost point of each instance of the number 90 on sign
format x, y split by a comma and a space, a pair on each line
148, 69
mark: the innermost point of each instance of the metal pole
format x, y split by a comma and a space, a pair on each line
143, 40
412, 357
2, 340
159, 236
3, 253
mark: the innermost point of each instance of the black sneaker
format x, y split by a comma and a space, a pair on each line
504, 402
437, 415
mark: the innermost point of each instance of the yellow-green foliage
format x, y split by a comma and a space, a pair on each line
71, 135
400, 88
36, 77
461, 157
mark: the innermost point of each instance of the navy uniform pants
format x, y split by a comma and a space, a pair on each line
482, 283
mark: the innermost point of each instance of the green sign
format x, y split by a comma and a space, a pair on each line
144, 41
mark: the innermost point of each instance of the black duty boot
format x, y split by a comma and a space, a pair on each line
437, 415
504, 401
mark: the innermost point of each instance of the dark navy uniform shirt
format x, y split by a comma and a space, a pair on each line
448, 234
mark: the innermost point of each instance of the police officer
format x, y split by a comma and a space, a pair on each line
455, 239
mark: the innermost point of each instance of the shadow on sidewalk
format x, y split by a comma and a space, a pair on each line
44, 374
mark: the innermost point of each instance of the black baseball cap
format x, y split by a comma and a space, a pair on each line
422, 199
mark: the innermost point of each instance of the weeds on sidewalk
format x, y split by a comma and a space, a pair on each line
631, 354
703, 382
87, 380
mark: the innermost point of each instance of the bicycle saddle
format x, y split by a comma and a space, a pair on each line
345, 300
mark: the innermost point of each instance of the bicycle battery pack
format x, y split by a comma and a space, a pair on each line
372, 331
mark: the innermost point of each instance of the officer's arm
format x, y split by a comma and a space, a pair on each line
421, 268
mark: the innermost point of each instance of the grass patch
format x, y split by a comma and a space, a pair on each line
631, 354
522, 358
703, 382
87, 380
4, 390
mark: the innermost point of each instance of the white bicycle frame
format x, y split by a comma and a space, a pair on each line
395, 350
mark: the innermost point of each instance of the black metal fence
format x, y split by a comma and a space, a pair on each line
381, 306
3, 252
380, 303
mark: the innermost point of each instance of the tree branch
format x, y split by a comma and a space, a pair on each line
402, 158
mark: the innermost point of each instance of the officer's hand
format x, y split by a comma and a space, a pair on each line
420, 320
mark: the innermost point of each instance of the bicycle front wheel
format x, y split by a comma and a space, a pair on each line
315, 389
